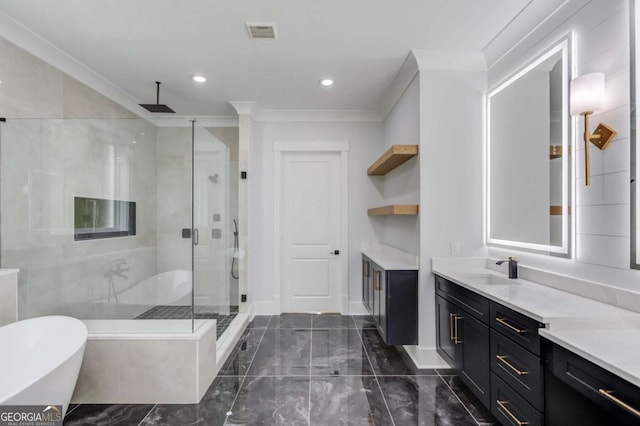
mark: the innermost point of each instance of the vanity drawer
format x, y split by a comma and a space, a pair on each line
519, 368
509, 407
519, 328
618, 397
473, 303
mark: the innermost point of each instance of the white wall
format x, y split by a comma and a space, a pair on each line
402, 185
602, 212
365, 145
451, 177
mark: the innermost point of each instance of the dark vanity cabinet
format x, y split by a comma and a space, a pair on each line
391, 297
463, 335
495, 350
578, 392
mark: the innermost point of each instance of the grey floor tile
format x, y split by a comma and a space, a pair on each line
271, 401
107, 414
210, 411
385, 360
283, 352
240, 358
338, 352
331, 321
420, 400
259, 321
469, 400
291, 321
348, 400
363, 321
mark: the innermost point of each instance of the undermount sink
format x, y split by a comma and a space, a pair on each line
488, 279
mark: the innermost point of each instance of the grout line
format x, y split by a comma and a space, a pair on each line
244, 378
374, 375
459, 400
147, 415
72, 410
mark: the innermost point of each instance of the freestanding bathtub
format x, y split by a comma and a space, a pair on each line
166, 288
40, 360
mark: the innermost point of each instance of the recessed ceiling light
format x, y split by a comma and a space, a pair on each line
199, 79
326, 82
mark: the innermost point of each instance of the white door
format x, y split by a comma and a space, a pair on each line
310, 224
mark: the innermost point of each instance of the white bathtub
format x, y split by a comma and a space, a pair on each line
40, 360
167, 288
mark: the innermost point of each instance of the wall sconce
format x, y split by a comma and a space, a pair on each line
587, 96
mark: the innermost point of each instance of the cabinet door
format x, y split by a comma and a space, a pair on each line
375, 294
445, 333
382, 307
366, 278
474, 361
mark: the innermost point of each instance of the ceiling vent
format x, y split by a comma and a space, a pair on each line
262, 30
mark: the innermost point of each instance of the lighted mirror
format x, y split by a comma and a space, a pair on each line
529, 155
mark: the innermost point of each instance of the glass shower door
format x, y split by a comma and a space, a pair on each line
214, 228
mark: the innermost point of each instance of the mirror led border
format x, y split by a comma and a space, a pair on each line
566, 45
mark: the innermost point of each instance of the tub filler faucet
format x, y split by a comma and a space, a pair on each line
117, 268
513, 266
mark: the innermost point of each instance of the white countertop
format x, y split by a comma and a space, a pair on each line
604, 334
613, 344
390, 258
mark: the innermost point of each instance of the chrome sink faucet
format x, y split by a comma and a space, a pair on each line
513, 266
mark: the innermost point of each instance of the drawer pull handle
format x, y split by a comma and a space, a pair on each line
456, 339
607, 394
503, 359
509, 326
506, 410
451, 326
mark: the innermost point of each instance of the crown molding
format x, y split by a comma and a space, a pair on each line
529, 27
37, 46
203, 120
317, 115
243, 107
404, 77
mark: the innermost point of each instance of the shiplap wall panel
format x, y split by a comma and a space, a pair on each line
602, 211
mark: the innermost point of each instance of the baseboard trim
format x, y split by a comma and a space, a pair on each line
357, 308
424, 357
265, 308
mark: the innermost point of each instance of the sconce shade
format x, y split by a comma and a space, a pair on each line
587, 93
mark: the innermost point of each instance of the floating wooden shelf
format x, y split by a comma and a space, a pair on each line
395, 156
396, 210
555, 151
557, 210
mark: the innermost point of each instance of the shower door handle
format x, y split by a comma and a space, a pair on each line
196, 237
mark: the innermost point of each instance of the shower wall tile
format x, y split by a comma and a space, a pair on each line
63, 139
80, 101
8, 297
30, 87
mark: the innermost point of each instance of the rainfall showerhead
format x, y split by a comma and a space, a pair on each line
157, 107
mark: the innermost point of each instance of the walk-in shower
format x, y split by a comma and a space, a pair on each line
63, 189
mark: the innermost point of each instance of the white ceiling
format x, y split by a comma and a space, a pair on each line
361, 44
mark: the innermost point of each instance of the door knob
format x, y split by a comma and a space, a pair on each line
335, 252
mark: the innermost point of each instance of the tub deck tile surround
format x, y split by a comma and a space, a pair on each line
310, 370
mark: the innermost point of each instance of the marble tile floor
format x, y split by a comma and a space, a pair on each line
302, 369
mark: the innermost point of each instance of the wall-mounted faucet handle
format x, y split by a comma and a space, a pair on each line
513, 266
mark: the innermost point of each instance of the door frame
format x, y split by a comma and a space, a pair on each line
341, 147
